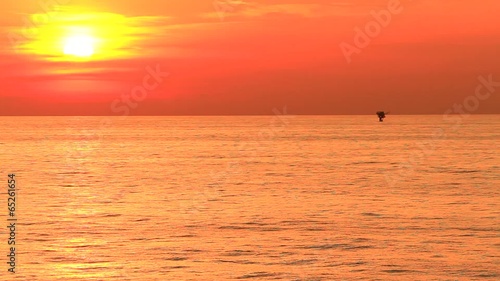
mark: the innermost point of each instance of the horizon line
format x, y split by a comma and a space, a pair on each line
242, 115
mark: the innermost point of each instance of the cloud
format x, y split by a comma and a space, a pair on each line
241, 10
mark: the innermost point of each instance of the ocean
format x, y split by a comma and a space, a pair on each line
253, 198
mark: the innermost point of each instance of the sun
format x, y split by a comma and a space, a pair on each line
82, 46
73, 36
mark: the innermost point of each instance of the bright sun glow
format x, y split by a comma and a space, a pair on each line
75, 36
79, 46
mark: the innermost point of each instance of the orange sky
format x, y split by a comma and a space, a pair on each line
246, 57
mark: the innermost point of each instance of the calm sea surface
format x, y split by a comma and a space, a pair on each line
253, 198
